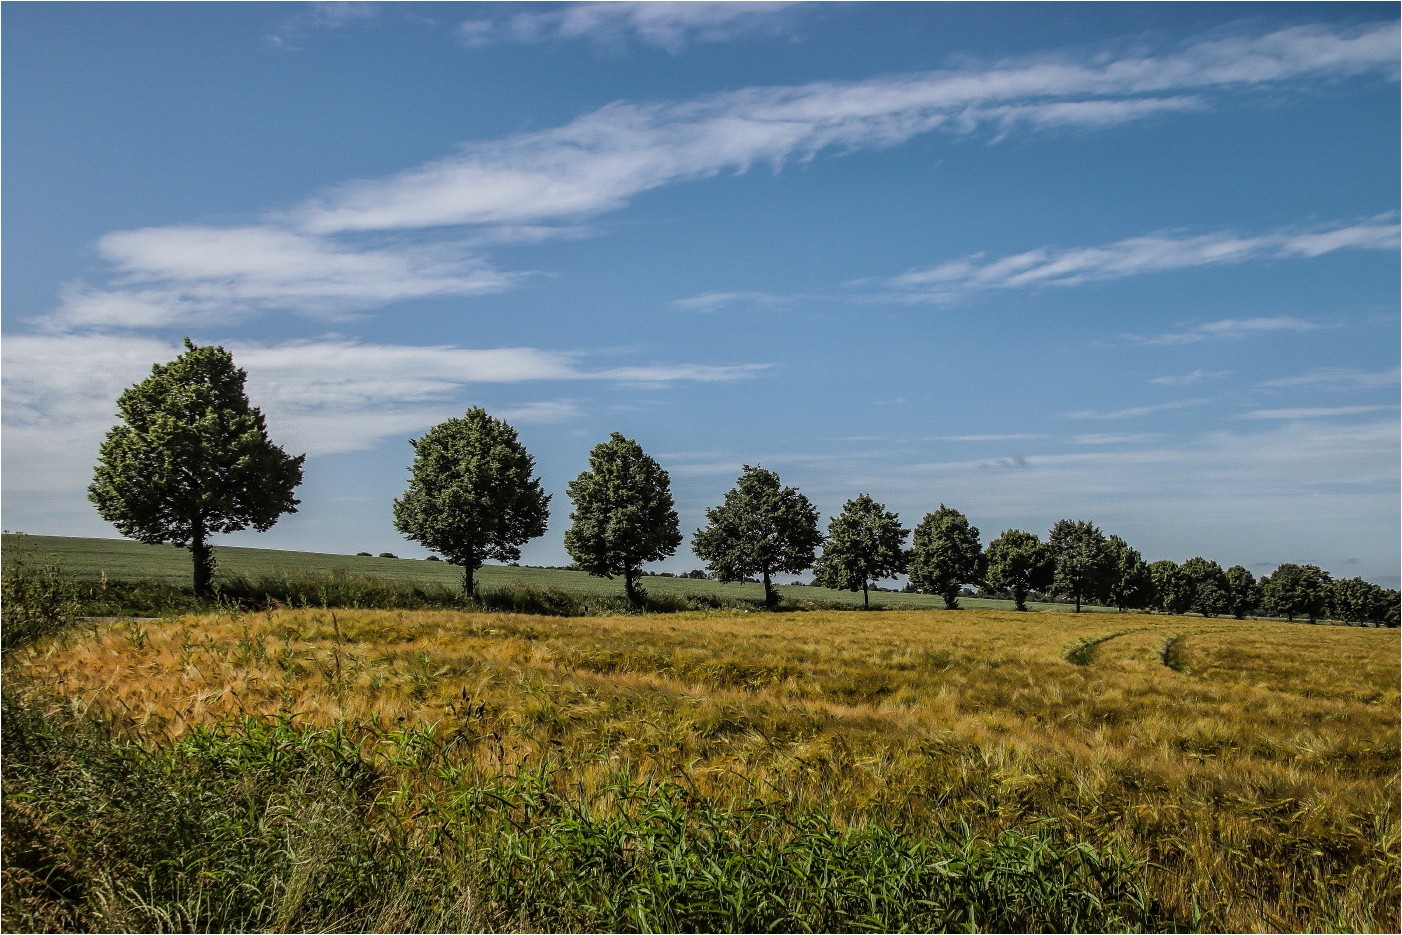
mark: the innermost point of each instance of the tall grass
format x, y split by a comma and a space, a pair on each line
260, 825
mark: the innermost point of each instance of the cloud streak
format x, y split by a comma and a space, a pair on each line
1134, 256
669, 26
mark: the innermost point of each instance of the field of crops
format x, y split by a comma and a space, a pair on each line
903, 770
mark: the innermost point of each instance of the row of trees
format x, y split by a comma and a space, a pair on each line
192, 458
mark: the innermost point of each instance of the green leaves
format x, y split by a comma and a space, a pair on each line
761, 529
945, 555
623, 514
192, 457
1019, 562
864, 544
471, 495
1082, 562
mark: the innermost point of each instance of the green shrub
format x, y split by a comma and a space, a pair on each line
34, 602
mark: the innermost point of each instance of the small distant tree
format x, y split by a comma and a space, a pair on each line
1296, 590
1244, 591
1211, 590
1173, 590
762, 528
623, 514
945, 554
1082, 564
1354, 600
192, 458
864, 544
1130, 585
1019, 563
471, 495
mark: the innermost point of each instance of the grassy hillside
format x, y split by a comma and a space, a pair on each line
122, 560
912, 770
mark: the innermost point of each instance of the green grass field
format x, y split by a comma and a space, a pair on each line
122, 560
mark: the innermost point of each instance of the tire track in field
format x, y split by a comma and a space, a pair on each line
1082, 654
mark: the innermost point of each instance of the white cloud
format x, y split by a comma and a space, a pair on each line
1183, 379
1134, 412
715, 301
1007, 437
1226, 328
1135, 256
1312, 412
189, 274
670, 26
1339, 378
602, 159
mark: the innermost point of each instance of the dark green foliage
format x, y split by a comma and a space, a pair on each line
1173, 589
1019, 563
262, 825
471, 495
760, 529
1130, 586
1083, 568
1296, 590
1390, 611
864, 544
191, 458
1244, 590
1354, 600
623, 514
1212, 592
945, 554
35, 601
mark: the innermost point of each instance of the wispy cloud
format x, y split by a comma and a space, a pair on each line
1339, 378
1184, 379
670, 26
601, 160
1135, 256
188, 274
1008, 437
313, 16
1226, 329
715, 301
419, 233
1312, 412
1134, 412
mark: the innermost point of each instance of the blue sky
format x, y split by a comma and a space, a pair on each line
1136, 264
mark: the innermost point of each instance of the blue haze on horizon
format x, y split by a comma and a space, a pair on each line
1131, 263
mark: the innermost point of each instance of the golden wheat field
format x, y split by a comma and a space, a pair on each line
1255, 764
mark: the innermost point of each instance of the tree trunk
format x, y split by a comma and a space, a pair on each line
770, 598
1078, 602
1019, 599
469, 587
630, 587
951, 600
202, 554
866, 601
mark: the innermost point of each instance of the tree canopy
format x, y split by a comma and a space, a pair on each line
623, 514
1020, 563
1173, 590
1129, 584
761, 528
945, 554
1082, 563
864, 544
471, 496
1296, 590
192, 458
1244, 590
1212, 591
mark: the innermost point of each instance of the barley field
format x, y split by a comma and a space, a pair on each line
1211, 774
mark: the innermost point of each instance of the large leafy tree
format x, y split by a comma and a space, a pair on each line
191, 458
1130, 585
1173, 589
1354, 600
1212, 592
1245, 591
864, 544
762, 528
945, 554
623, 514
1082, 564
471, 495
1296, 590
1020, 563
